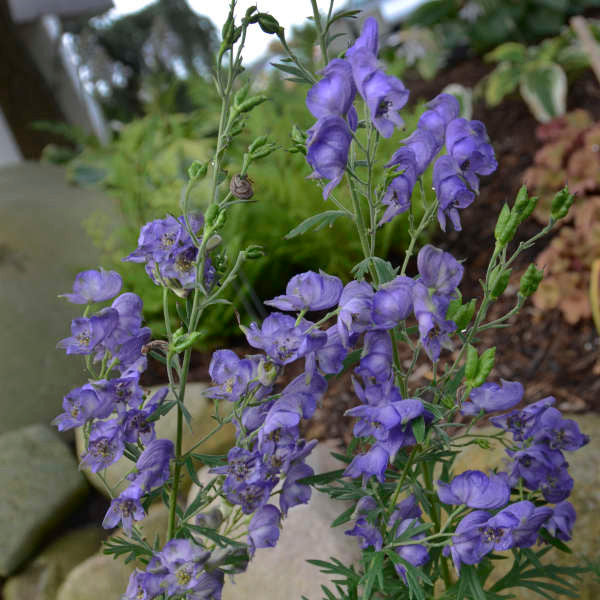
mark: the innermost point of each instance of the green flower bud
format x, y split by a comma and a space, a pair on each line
253, 252
264, 151
242, 93
530, 281
185, 341
269, 24
250, 103
524, 205
257, 143
484, 367
197, 170
212, 212
221, 220
501, 224
471, 363
561, 204
499, 279
214, 241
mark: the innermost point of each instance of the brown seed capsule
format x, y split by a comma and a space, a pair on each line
241, 187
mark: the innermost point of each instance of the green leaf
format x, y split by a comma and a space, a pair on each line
501, 82
321, 478
418, 429
555, 542
344, 14
211, 460
316, 222
344, 517
544, 89
484, 367
473, 583
509, 51
471, 363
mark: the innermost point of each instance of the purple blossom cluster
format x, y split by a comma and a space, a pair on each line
169, 253
331, 102
538, 464
115, 411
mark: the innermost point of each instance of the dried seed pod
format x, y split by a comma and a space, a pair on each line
241, 187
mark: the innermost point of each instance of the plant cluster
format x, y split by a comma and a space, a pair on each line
409, 525
569, 152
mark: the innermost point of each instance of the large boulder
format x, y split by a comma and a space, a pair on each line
40, 485
201, 410
41, 578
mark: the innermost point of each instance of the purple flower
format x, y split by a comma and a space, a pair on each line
292, 492
422, 144
309, 291
356, 305
367, 41
94, 286
559, 433
183, 561
125, 508
399, 191
523, 423
439, 270
82, 405
475, 490
376, 364
392, 302
374, 462
330, 357
368, 534
143, 586
230, 373
283, 340
121, 393
384, 95
560, 524
105, 445
87, 333
441, 110
263, 530
328, 143
491, 397
531, 519
334, 93
451, 190
152, 467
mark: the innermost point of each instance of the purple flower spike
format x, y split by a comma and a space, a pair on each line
309, 291
491, 397
327, 150
263, 531
152, 467
439, 270
476, 490
334, 93
125, 508
94, 286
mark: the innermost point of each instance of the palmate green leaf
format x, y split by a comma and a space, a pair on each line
322, 478
344, 517
413, 576
211, 460
385, 271
316, 222
544, 89
473, 584
220, 540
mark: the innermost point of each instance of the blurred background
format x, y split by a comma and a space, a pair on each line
104, 105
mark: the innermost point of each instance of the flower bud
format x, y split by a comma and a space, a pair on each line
212, 212
501, 224
250, 103
257, 143
524, 205
253, 252
214, 241
269, 24
267, 373
241, 94
212, 518
530, 281
197, 170
499, 279
263, 151
561, 204
241, 187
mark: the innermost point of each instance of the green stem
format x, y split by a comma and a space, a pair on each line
322, 40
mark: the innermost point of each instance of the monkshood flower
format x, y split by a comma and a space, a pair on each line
392, 302
87, 333
451, 190
327, 146
152, 466
334, 93
368, 41
309, 291
82, 405
293, 492
560, 524
283, 340
479, 534
182, 564
430, 311
405, 516
143, 586
422, 144
531, 519
231, 374
106, 445
329, 358
468, 144
375, 366
94, 286
264, 528
440, 111
121, 393
491, 397
558, 433
356, 306
475, 489
399, 191
125, 508
367, 534
439, 271
523, 423
374, 462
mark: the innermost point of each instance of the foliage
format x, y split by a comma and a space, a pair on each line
538, 72
570, 152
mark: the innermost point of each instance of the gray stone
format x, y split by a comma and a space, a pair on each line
39, 485
42, 247
41, 578
282, 572
201, 411
100, 577
585, 497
